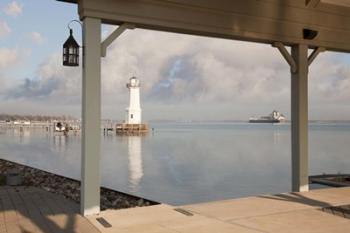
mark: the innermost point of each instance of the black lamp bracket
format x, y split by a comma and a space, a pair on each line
76, 21
71, 30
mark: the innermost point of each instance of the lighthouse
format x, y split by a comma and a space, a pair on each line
133, 112
133, 124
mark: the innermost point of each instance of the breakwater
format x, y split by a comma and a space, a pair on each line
70, 188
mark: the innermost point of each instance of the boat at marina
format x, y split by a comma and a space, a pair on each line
59, 127
273, 117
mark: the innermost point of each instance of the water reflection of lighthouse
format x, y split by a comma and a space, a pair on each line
135, 162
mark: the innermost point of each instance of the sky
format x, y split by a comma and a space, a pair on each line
183, 77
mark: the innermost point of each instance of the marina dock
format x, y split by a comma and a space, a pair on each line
26, 209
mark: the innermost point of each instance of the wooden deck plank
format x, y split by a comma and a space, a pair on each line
2, 214
41, 205
8, 209
55, 206
64, 205
62, 210
18, 204
13, 227
69, 207
42, 214
29, 209
34, 213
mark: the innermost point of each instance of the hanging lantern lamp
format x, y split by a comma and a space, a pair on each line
71, 51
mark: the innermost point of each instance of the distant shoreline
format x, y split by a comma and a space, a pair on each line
239, 121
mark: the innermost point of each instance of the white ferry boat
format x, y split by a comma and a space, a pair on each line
274, 117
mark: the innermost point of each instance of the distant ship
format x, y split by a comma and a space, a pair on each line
274, 117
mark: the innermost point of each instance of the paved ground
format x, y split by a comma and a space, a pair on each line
29, 210
326, 210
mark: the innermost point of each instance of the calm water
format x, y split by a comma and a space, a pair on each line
188, 163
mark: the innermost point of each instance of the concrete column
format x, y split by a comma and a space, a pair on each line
299, 98
91, 117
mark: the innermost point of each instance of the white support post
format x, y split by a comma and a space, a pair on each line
91, 115
299, 62
299, 104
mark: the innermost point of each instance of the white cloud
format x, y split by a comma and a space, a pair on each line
52, 83
4, 29
191, 77
330, 81
179, 69
8, 57
37, 38
13, 9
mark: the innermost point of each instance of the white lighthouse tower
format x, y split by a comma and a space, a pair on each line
133, 112
133, 125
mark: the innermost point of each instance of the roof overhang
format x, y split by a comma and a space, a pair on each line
264, 21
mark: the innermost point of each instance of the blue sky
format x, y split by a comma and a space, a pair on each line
49, 18
183, 77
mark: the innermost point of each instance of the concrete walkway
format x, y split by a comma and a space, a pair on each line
326, 210
29, 210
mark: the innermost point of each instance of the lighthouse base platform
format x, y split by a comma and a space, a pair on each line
131, 129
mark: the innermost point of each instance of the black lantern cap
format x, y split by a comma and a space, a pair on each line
71, 51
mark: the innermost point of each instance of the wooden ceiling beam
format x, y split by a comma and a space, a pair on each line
312, 3
264, 21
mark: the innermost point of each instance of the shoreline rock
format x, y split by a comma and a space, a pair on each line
70, 188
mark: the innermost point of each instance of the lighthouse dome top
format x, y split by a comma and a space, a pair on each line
133, 82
